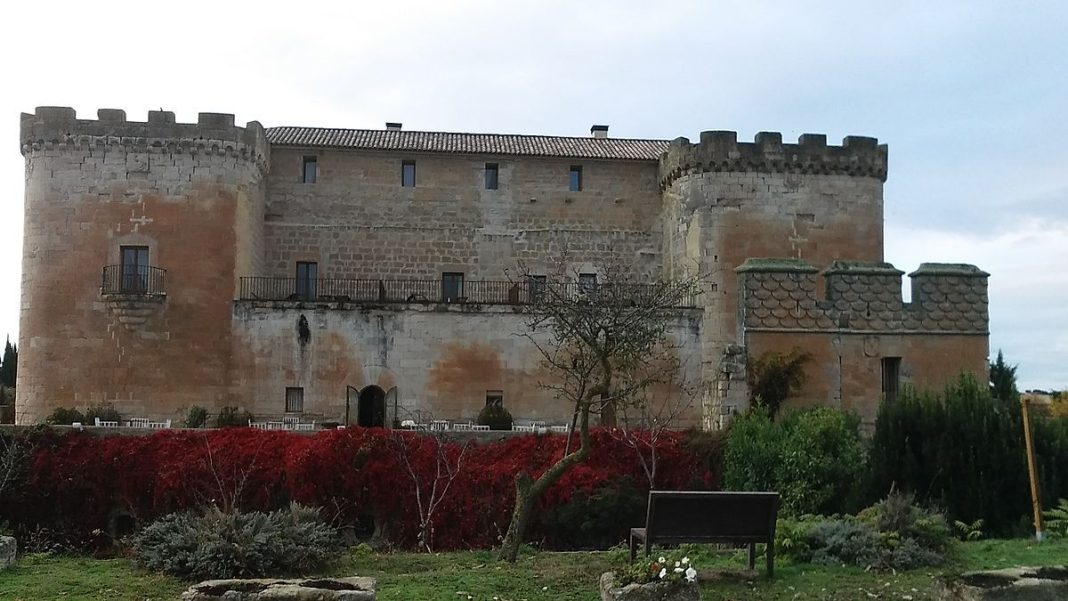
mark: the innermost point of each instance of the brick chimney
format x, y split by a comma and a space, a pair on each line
599, 131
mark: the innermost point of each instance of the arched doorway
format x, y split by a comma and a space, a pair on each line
371, 408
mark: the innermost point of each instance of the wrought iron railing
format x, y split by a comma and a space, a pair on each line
439, 291
133, 279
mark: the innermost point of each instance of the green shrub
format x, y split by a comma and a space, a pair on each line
232, 417
963, 451
899, 516
63, 416
197, 417
813, 458
595, 520
496, 417
1057, 519
217, 544
105, 411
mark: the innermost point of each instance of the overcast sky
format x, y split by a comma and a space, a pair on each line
970, 96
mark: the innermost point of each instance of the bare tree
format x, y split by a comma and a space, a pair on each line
14, 456
430, 490
596, 340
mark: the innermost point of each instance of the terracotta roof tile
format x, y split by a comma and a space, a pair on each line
461, 143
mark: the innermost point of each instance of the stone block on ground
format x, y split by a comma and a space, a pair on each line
268, 589
1012, 584
8, 551
654, 591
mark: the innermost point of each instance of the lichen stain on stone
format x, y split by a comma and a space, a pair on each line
303, 332
463, 368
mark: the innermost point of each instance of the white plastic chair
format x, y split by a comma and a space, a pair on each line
106, 423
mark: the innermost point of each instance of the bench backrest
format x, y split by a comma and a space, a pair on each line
741, 516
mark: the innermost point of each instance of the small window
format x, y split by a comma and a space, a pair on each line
575, 183
891, 378
587, 282
307, 276
311, 169
495, 398
134, 269
491, 176
408, 174
294, 399
536, 288
452, 287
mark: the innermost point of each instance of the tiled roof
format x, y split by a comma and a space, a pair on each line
494, 144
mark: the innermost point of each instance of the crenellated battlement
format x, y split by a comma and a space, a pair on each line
785, 295
58, 128
720, 151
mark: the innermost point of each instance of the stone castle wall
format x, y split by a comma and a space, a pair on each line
357, 221
95, 185
856, 317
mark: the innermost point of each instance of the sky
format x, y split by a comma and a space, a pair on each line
969, 96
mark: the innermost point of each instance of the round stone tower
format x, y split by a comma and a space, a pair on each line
135, 236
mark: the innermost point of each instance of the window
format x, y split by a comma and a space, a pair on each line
587, 282
495, 398
408, 174
134, 269
891, 378
575, 183
294, 399
491, 176
536, 288
307, 273
452, 287
311, 169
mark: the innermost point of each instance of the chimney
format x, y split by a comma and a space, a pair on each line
391, 126
599, 131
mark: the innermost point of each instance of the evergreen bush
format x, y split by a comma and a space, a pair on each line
595, 520
232, 417
496, 417
63, 416
197, 417
105, 411
217, 544
813, 458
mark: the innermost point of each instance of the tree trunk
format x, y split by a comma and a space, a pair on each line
524, 503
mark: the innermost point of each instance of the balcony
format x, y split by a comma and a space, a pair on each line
133, 280
437, 291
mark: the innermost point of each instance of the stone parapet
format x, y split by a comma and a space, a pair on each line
58, 128
863, 297
720, 151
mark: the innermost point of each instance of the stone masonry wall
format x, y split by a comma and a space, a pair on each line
725, 201
442, 359
357, 221
95, 185
856, 317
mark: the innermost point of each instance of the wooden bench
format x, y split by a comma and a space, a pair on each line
710, 517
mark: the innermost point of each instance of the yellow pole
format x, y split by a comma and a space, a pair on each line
1036, 500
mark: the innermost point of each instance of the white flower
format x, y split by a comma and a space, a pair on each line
663, 573
661, 560
678, 570
676, 564
691, 574
685, 560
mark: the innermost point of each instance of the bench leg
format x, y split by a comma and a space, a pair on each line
752, 556
771, 559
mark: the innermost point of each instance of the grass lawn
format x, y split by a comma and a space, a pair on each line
536, 576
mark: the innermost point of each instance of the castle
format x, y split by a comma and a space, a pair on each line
371, 273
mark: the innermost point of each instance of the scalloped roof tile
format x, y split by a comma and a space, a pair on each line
469, 143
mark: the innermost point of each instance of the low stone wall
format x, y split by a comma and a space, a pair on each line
302, 589
8, 552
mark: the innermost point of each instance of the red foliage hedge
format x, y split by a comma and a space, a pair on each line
78, 483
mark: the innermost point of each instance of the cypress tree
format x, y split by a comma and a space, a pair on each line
1003, 380
9, 364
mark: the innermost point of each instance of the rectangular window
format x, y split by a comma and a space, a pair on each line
491, 176
891, 378
587, 282
536, 288
495, 398
311, 170
452, 287
575, 183
307, 274
294, 399
134, 269
408, 174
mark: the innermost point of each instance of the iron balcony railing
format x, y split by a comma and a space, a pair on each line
133, 279
443, 291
